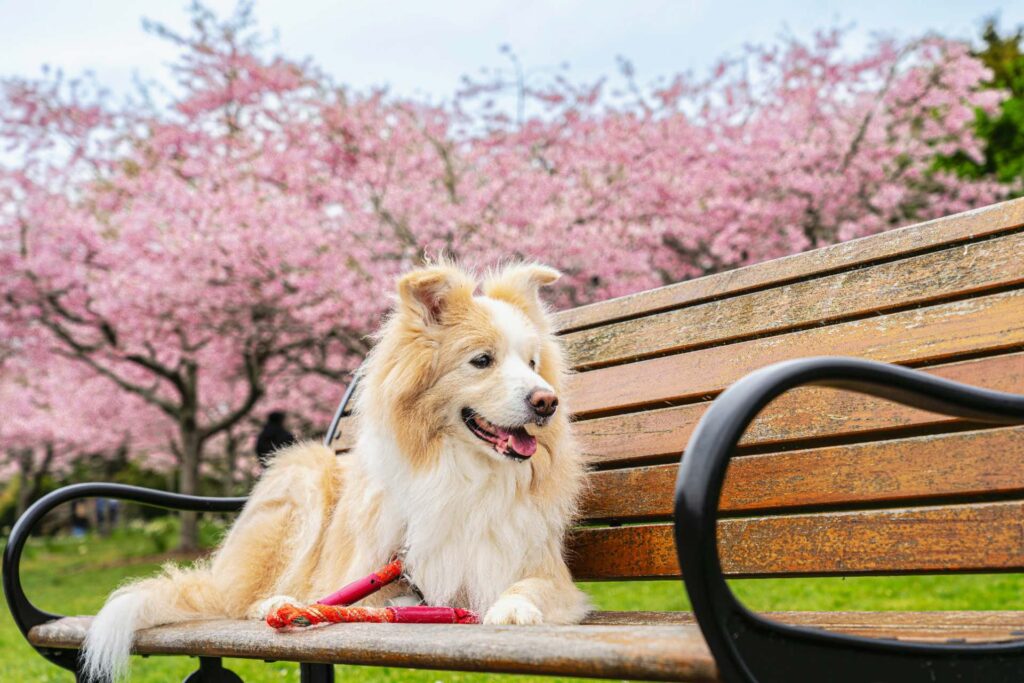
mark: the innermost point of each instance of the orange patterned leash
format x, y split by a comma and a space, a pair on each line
334, 609
296, 616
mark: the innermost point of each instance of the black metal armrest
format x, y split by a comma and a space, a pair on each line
350, 390
750, 649
26, 615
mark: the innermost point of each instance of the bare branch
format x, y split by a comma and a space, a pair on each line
85, 352
253, 375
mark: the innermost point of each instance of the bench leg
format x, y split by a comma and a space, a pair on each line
211, 670
316, 673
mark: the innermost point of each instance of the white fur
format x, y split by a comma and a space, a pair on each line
109, 640
518, 379
107, 647
468, 528
514, 609
272, 604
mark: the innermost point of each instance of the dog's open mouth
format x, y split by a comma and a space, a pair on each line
514, 442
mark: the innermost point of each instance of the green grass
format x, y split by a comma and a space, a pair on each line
72, 576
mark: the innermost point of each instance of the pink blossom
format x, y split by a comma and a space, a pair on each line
229, 253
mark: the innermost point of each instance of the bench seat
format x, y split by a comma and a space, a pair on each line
639, 645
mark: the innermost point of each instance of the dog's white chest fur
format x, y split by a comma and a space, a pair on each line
468, 526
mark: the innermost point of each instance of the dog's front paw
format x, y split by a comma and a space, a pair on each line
513, 610
272, 604
404, 601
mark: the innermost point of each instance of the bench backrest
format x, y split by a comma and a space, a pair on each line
828, 483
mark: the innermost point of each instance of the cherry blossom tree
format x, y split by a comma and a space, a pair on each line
57, 411
231, 247
782, 149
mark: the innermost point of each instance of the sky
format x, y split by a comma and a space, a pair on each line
422, 49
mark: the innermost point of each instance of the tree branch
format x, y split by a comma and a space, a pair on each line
253, 375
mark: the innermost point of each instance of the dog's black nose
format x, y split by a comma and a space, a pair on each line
543, 402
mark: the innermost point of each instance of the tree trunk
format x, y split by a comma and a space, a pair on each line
31, 476
231, 463
25, 492
188, 483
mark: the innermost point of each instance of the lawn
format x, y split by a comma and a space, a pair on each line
73, 575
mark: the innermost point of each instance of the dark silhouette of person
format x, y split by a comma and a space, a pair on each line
272, 438
79, 518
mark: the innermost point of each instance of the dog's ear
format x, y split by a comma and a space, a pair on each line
519, 285
430, 294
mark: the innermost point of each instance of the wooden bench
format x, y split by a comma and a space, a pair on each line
825, 482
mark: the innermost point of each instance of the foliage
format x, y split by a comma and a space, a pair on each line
1002, 131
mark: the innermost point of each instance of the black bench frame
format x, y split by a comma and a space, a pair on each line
751, 649
747, 648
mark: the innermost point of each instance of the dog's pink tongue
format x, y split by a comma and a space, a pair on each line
523, 443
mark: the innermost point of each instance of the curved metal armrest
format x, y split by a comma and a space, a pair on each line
750, 649
26, 615
332, 430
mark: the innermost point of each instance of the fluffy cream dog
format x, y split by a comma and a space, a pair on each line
464, 463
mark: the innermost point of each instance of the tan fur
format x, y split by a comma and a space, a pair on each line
518, 284
316, 521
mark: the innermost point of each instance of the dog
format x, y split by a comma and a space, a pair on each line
464, 463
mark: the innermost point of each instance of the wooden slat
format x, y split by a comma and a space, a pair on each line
919, 280
915, 335
346, 437
637, 645
978, 537
796, 416
927, 467
908, 240
936, 627
922, 335
661, 653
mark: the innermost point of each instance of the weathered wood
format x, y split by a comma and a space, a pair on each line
796, 416
664, 653
931, 334
937, 627
909, 240
972, 268
971, 464
645, 645
943, 466
346, 436
961, 538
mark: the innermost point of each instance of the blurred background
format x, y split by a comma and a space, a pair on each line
203, 208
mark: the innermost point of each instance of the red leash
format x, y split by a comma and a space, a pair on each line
292, 615
335, 609
359, 589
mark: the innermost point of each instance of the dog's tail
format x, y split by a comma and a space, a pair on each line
176, 595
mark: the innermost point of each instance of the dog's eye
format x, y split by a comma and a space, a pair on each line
533, 365
482, 361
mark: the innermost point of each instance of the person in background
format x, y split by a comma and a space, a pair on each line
273, 437
107, 510
79, 518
